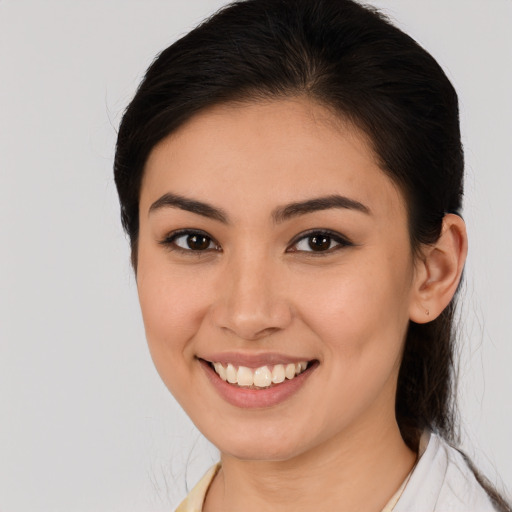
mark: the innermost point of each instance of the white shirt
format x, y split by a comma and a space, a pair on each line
441, 481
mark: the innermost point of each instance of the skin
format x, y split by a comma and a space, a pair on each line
335, 443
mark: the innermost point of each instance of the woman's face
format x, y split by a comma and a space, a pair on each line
270, 237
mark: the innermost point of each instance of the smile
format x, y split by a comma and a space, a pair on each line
257, 381
257, 378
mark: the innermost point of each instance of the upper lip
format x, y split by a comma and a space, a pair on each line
252, 360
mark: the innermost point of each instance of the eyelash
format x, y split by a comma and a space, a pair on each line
340, 240
170, 241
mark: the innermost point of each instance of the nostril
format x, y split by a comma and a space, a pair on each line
266, 332
248, 333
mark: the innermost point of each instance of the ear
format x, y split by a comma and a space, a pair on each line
438, 271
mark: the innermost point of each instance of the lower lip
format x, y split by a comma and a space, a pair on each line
257, 398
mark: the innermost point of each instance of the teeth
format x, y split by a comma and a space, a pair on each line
261, 377
245, 377
231, 374
278, 375
221, 371
289, 371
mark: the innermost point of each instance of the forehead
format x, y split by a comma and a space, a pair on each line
275, 152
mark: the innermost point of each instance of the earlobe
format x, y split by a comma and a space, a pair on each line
438, 272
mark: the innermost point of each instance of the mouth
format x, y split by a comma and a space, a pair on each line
257, 381
258, 378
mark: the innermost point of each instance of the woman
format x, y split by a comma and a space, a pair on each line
290, 176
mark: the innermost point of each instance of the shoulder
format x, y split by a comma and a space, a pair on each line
443, 482
195, 499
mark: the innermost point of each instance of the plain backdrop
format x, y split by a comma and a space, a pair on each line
85, 423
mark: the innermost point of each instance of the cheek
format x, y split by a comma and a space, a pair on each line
360, 311
172, 304
168, 308
360, 320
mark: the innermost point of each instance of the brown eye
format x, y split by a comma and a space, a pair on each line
191, 241
319, 242
198, 242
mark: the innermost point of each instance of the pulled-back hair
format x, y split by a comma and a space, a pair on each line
352, 60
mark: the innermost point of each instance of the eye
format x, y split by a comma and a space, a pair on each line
192, 241
319, 241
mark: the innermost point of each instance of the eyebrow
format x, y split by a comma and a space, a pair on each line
279, 215
190, 205
289, 211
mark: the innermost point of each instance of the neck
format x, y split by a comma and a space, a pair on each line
355, 471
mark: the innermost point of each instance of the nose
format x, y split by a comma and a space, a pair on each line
251, 301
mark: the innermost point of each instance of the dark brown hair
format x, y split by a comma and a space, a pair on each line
351, 59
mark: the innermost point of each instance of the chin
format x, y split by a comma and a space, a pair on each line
257, 452
260, 445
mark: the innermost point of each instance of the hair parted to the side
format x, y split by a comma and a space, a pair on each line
351, 59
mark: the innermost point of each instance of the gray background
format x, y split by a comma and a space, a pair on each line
85, 423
